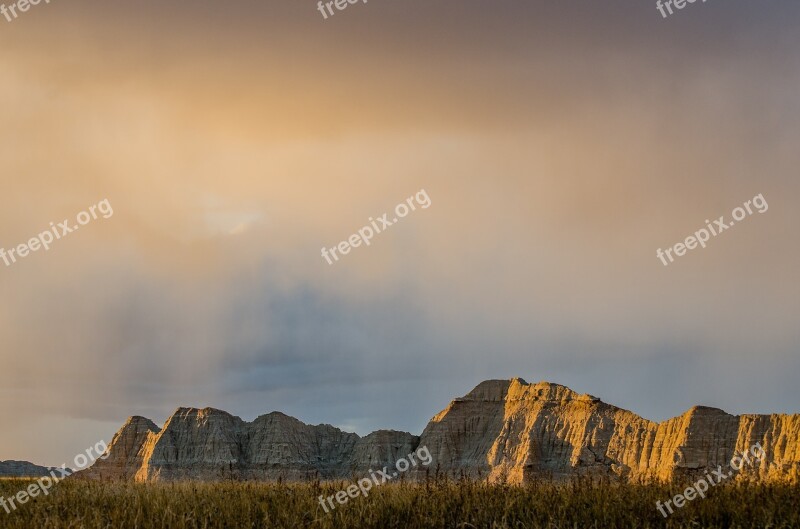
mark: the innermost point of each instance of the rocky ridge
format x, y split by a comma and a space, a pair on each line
24, 469
503, 430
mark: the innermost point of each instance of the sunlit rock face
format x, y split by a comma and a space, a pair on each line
514, 431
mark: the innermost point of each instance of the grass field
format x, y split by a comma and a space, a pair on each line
74, 504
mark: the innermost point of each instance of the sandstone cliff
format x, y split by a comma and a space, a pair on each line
515, 431
125, 455
502, 430
209, 444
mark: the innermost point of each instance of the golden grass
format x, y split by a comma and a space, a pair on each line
440, 504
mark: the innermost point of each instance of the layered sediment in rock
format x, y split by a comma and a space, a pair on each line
502, 430
125, 455
210, 444
514, 431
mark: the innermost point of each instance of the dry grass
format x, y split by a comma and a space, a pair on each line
74, 504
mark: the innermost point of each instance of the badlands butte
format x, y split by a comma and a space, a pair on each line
501, 430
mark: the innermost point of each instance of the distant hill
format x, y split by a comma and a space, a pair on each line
503, 430
24, 469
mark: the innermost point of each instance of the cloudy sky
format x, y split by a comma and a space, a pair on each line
561, 144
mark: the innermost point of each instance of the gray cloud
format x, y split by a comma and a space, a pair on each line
561, 145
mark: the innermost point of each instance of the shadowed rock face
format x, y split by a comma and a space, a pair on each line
210, 444
502, 430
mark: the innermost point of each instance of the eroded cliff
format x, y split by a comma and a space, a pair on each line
515, 431
502, 430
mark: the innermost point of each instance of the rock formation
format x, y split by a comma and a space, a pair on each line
502, 430
210, 444
514, 431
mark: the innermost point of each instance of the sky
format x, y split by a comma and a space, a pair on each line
561, 145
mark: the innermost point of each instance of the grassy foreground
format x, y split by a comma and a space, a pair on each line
463, 505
